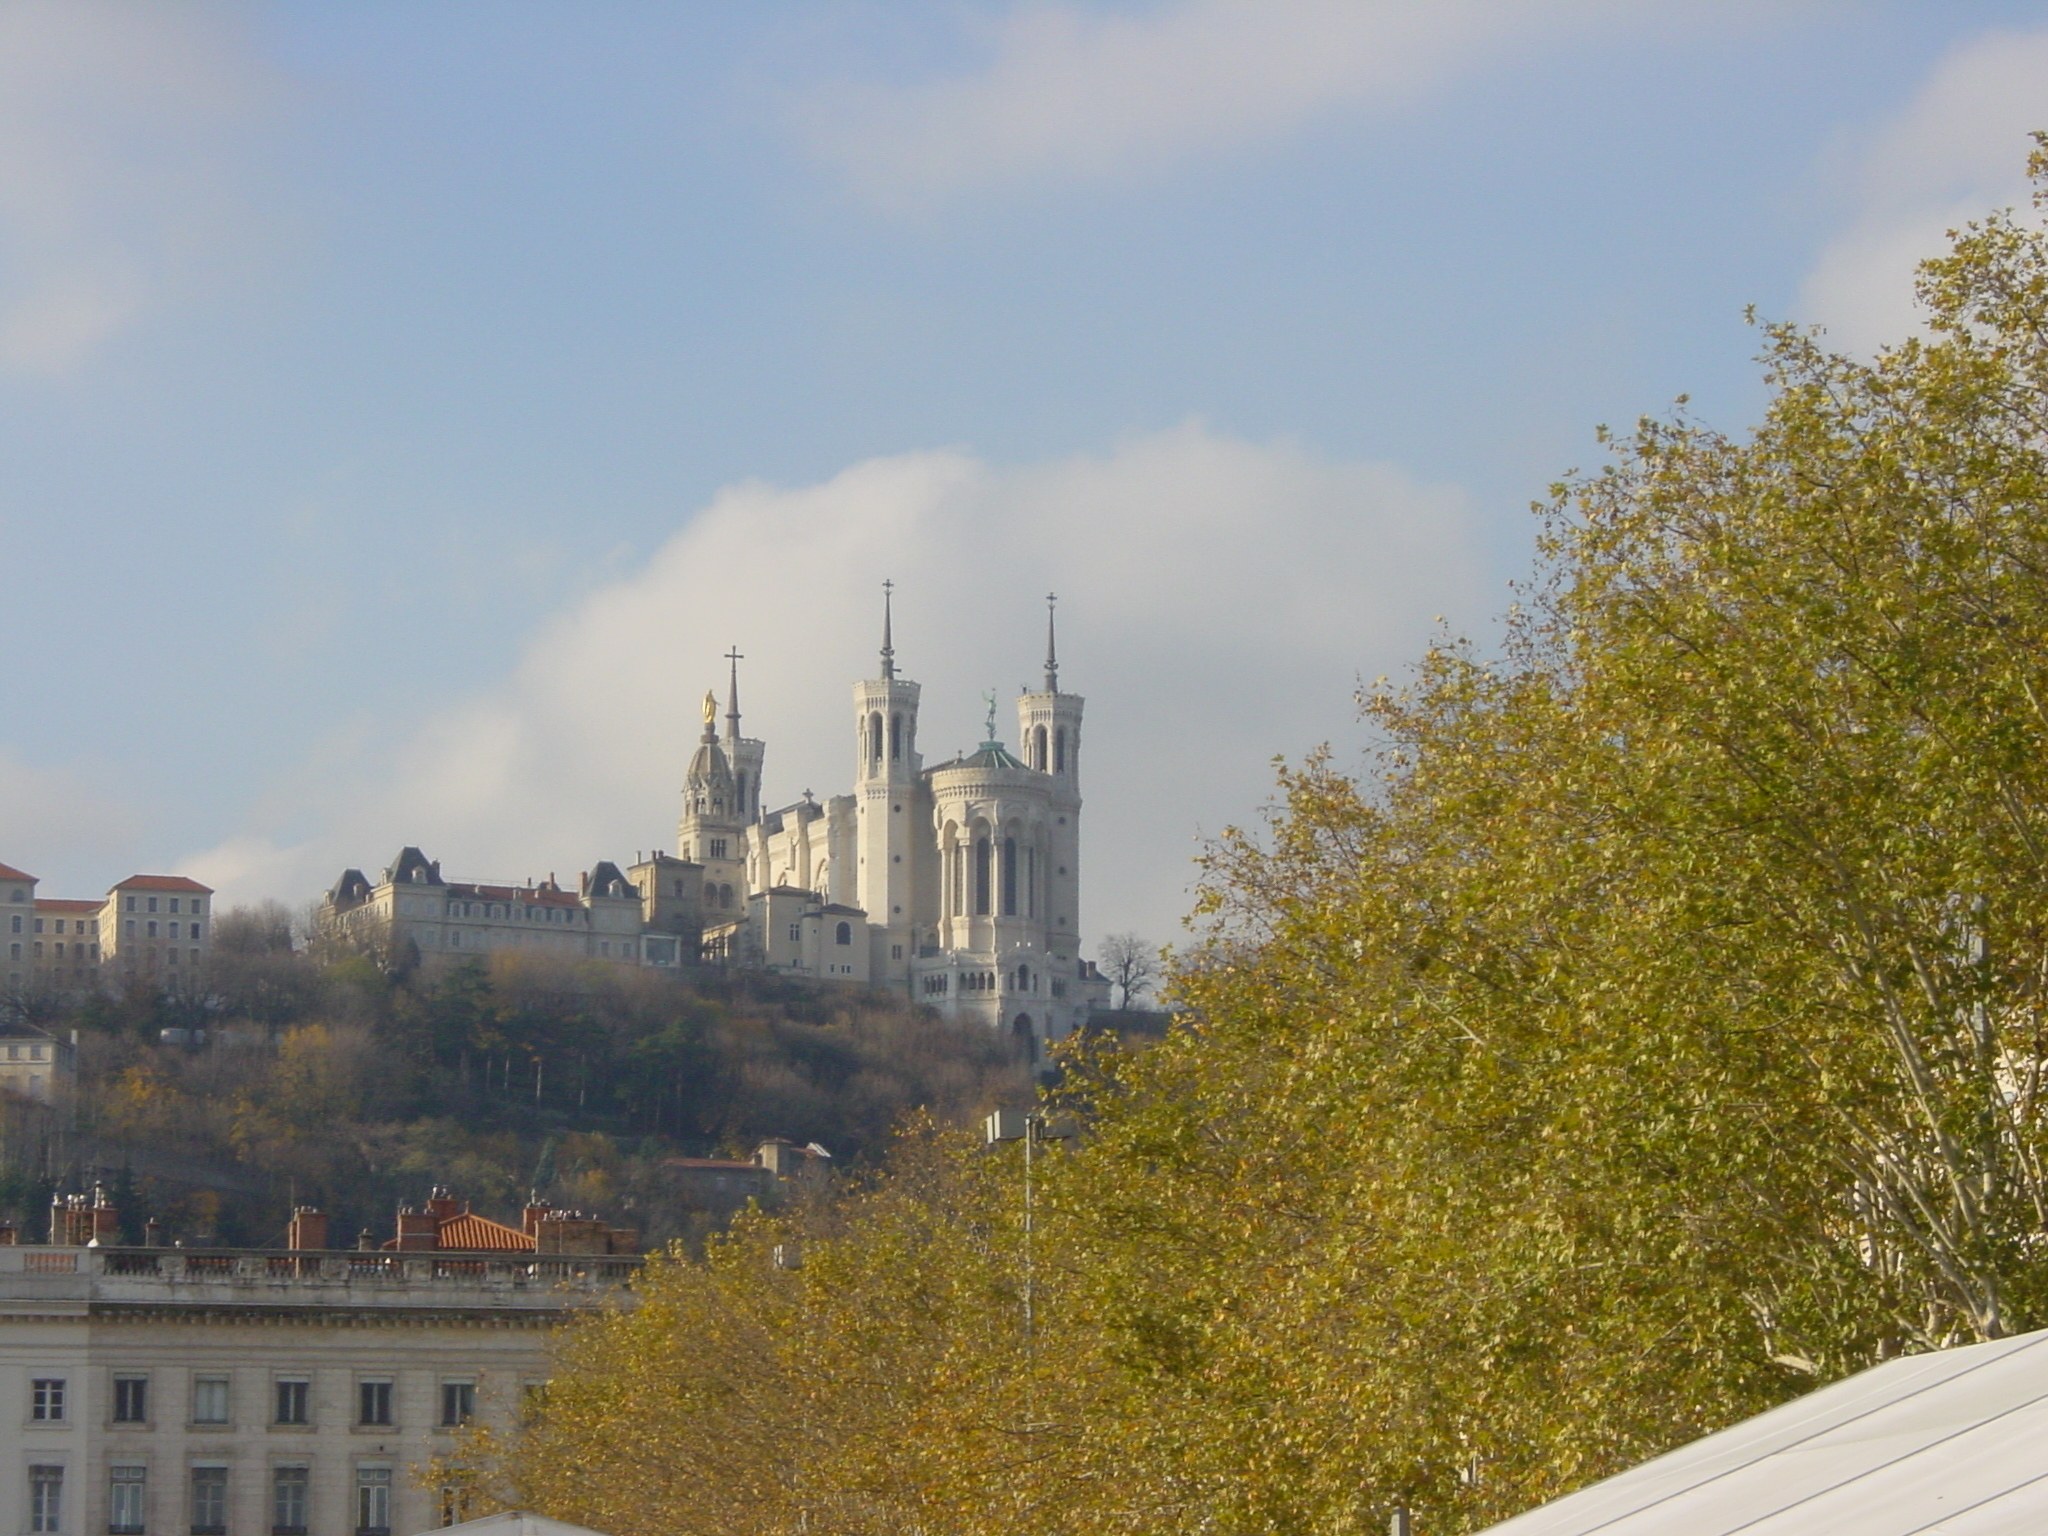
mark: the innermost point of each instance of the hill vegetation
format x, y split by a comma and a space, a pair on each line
1656, 1029
322, 1080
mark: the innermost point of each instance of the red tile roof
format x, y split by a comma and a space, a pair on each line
64, 904
471, 1233
163, 883
9, 872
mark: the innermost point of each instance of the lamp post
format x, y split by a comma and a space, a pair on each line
1029, 1126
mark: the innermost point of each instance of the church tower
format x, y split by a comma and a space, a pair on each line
888, 797
744, 753
1049, 732
712, 829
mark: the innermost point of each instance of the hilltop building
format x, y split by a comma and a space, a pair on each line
156, 928
957, 884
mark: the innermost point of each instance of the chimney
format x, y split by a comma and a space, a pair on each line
104, 1220
308, 1228
60, 1223
152, 1233
9, 1236
535, 1212
366, 1241
418, 1232
442, 1205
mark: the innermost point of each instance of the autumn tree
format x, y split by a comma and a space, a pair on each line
1655, 1029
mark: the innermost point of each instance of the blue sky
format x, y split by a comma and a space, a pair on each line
402, 406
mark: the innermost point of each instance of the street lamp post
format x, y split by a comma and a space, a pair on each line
1029, 1126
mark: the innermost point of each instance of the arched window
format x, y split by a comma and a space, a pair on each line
1038, 747
844, 935
739, 793
895, 738
710, 893
725, 895
981, 877
1023, 983
1059, 750
1009, 877
1027, 1042
875, 739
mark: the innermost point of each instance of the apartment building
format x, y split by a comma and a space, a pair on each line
150, 927
147, 1391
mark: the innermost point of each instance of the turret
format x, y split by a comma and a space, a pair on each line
1049, 729
888, 796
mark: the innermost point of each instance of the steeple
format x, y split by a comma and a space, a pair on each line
732, 708
1052, 650
888, 641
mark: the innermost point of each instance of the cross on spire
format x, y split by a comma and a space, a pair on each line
732, 707
888, 640
1052, 651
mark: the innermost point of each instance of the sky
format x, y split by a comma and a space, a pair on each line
403, 408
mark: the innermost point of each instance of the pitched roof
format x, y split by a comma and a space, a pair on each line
65, 904
472, 1233
9, 872
1954, 1441
163, 883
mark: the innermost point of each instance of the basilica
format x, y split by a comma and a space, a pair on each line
956, 884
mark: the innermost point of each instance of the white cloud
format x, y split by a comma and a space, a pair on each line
1074, 93
118, 125
1958, 150
1219, 601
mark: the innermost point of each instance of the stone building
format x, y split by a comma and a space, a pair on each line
293, 1391
152, 928
957, 884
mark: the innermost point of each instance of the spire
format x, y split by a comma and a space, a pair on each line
732, 708
888, 641
1052, 650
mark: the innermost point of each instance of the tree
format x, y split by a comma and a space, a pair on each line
1131, 965
1659, 1027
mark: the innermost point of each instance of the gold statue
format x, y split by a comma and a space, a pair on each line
710, 708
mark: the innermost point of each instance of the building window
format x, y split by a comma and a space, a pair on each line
895, 738
288, 1501
373, 1400
46, 1498
128, 926
718, 847
458, 1402
210, 1400
127, 1488
129, 904
152, 930
209, 1501
292, 1402
895, 951
981, 877
152, 903
1009, 877
17, 925
843, 934
46, 1399
795, 933
131, 1400
373, 1501
875, 740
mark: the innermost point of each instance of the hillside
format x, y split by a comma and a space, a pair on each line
325, 1081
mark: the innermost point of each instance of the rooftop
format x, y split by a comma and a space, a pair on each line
9, 872
163, 883
66, 904
111, 1281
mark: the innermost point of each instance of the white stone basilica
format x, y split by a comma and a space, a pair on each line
958, 883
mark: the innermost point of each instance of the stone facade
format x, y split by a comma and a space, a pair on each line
291, 1391
152, 928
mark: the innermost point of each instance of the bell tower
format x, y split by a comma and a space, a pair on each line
886, 794
1049, 733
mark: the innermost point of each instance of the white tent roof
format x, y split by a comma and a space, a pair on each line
513, 1522
1947, 1444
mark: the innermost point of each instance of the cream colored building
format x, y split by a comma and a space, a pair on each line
164, 1392
36, 1064
958, 884
153, 928
643, 916
157, 928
